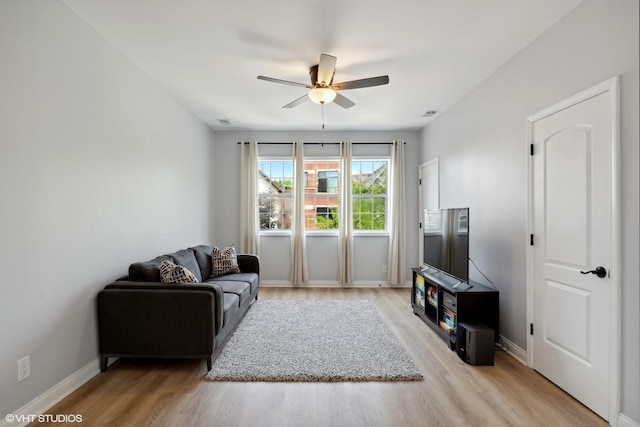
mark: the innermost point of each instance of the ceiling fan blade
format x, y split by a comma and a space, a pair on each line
284, 82
343, 101
357, 84
326, 68
298, 101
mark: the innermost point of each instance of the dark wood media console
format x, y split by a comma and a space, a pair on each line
443, 301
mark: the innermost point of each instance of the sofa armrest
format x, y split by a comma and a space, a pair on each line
249, 263
141, 323
162, 294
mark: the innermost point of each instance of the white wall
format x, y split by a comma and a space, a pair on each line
370, 252
481, 145
98, 168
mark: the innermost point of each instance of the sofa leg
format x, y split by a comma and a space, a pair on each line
104, 361
209, 363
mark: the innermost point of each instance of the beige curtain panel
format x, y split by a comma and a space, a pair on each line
396, 274
249, 212
345, 222
299, 273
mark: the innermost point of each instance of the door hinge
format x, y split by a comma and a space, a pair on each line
531, 148
420, 225
531, 240
420, 181
530, 328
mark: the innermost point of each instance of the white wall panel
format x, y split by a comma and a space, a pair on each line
99, 168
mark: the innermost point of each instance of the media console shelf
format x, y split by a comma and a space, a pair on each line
443, 302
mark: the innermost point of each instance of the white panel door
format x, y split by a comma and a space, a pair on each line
572, 223
429, 197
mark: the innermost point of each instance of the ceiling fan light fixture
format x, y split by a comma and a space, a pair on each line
322, 95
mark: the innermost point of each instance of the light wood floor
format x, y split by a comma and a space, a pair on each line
174, 392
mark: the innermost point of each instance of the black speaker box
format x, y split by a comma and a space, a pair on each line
474, 343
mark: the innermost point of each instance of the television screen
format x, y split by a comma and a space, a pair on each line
446, 241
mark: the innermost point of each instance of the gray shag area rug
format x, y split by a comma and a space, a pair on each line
313, 341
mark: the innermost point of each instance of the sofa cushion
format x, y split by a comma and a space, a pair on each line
172, 273
252, 278
224, 261
203, 257
148, 271
231, 307
187, 259
242, 289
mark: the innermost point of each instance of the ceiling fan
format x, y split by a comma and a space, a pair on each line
323, 90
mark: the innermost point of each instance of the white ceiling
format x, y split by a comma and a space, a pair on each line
208, 53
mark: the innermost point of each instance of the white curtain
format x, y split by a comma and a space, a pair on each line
249, 215
299, 273
396, 261
345, 222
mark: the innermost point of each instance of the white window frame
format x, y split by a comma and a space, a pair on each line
276, 232
384, 232
323, 232
334, 232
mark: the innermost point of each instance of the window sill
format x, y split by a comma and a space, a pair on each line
374, 233
328, 233
275, 233
323, 233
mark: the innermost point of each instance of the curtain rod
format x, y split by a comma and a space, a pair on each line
319, 143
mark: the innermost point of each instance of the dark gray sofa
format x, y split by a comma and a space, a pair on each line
139, 316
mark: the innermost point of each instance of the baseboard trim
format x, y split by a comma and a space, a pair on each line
332, 284
514, 351
520, 355
275, 284
624, 421
55, 394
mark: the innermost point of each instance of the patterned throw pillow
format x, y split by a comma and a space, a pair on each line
224, 261
172, 273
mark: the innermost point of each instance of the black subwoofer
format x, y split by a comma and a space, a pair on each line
474, 343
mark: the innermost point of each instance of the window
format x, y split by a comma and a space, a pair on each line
322, 194
275, 185
326, 218
369, 193
327, 181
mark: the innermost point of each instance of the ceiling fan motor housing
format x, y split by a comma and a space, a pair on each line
313, 74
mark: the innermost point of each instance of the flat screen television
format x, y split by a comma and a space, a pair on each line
446, 241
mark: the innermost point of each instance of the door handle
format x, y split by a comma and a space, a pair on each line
599, 271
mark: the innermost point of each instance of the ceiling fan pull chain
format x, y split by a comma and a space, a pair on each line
322, 109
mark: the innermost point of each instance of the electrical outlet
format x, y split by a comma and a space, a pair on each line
384, 268
24, 368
